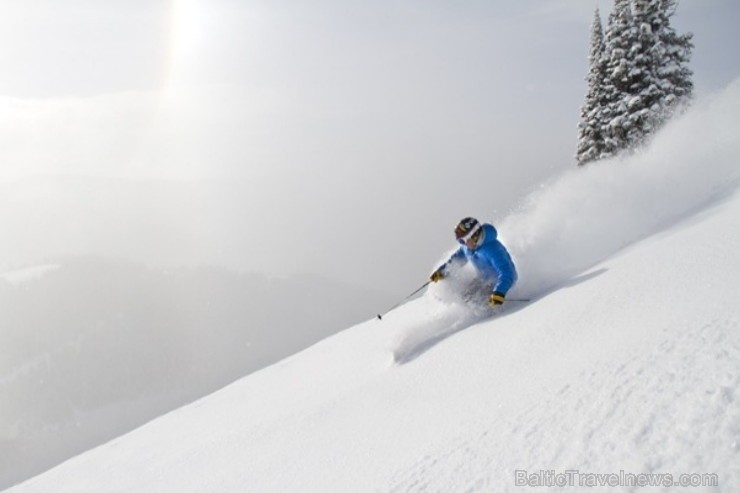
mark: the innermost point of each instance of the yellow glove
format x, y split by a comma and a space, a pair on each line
437, 276
496, 299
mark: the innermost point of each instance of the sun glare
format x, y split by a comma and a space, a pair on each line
186, 37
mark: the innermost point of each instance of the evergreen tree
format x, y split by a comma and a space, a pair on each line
642, 93
591, 138
621, 36
672, 54
638, 78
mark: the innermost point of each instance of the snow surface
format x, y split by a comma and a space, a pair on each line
627, 359
97, 347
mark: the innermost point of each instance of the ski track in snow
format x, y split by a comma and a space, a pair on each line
415, 336
445, 311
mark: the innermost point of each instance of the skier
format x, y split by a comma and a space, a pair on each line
489, 256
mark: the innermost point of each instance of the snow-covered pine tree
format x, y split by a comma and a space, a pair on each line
644, 78
590, 135
672, 55
621, 35
642, 95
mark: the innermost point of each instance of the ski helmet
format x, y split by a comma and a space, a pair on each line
466, 228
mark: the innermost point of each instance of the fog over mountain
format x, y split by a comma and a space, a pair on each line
93, 347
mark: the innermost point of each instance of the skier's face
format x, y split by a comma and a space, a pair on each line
470, 242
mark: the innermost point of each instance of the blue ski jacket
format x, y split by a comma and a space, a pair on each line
491, 260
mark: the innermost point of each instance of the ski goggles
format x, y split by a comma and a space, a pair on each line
473, 233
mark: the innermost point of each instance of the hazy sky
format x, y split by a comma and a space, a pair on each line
332, 136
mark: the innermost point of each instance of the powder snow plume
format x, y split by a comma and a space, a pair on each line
589, 213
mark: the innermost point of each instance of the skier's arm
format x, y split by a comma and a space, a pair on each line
439, 274
505, 276
504, 281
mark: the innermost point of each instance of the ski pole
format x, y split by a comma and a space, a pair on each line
380, 317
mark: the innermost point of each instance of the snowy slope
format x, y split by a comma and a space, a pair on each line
628, 359
95, 347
